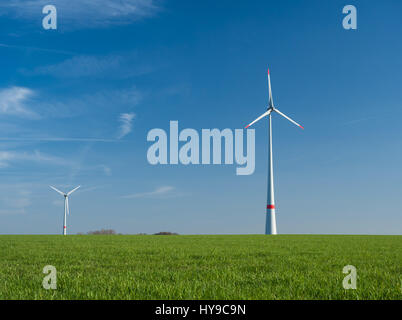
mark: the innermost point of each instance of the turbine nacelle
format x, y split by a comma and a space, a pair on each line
271, 108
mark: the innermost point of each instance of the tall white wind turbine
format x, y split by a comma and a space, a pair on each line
66, 208
270, 226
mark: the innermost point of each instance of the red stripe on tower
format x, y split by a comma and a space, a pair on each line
270, 206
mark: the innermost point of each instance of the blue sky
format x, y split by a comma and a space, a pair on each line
76, 105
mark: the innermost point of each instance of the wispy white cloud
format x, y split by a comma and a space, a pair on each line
19, 203
78, 14
58, 202
11, 211
14, 199
56, 139
354, 121
158, 192
13, 101
86, 103
93, 188
107, 171
126, 120
111, 66
8, 157
28, 48
80, 66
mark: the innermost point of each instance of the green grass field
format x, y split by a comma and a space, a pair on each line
201, 267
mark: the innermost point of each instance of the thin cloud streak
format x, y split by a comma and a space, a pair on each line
4, 45
351, 122
81, 14
14, 101
159, 192
103, 66
59, 139
6, 157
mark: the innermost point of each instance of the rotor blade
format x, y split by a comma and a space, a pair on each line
62, 193
259, 118
286, 117
68, 193
68, 209
270, 99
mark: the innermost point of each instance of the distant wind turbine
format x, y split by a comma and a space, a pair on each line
270, 226
66, 208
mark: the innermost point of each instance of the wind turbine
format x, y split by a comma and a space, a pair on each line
270, 226
66, 209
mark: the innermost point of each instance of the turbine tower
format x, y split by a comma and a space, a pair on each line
66, 208
270, 226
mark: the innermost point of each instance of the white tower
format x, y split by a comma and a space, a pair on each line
270, 224
66, 208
